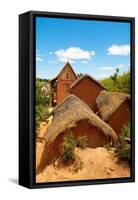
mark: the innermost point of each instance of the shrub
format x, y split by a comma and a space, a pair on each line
67, 149
117, 83
126, 130
42, 103
69, 139
67, 153
123, 148
123, 152
42, 114
109, 146
124, 83
81, 141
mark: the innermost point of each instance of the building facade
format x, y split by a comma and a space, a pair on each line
87, 89
60, 85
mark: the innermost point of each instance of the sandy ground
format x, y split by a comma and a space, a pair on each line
40, 142
98, 163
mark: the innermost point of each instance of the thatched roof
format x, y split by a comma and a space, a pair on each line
109, 102
82, 78
68, 113
66, 65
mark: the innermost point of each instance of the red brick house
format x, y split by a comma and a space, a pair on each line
78, 119
60, 85
87, 89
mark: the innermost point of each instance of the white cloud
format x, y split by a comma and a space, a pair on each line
120, 65
39, 59
52, 62
65, 60
106, 68
85, 61
37, 51
123, 50
106, 71
111, 69
104, 75
73, 53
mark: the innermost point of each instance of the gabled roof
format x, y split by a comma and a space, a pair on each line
109, 102
70, 111
66, 65
82, 78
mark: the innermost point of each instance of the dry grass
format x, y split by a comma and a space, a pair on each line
71, 111
109, 102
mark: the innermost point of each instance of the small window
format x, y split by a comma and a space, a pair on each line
68, 76
67, 87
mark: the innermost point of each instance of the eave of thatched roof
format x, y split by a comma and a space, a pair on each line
71, 111
82, 78
109, 102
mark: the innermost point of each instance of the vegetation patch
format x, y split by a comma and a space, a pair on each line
117, 83
109, 146
123, 147
42, 102
81, 141
67, 148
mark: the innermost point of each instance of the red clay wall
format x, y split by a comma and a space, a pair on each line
62, 90
87, 90
120, 117
95, 139
63, 83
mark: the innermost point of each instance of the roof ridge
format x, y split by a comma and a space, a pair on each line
82, 77
67, 63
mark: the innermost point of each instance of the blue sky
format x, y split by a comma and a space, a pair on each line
92, 47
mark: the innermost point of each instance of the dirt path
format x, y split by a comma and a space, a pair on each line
92, 164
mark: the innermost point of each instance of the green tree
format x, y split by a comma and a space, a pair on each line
42, 103
124, 83
118, 83
79, 75
114, 77
123, 147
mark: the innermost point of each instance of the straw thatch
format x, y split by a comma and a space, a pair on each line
82, 78
109, 102
71, 111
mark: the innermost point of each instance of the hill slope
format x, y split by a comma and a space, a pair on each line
90, 164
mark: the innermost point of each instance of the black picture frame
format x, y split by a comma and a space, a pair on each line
27, 98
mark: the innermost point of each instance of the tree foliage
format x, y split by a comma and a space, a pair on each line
123, 147
114, 77
42, 103
79, 75
118, 83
